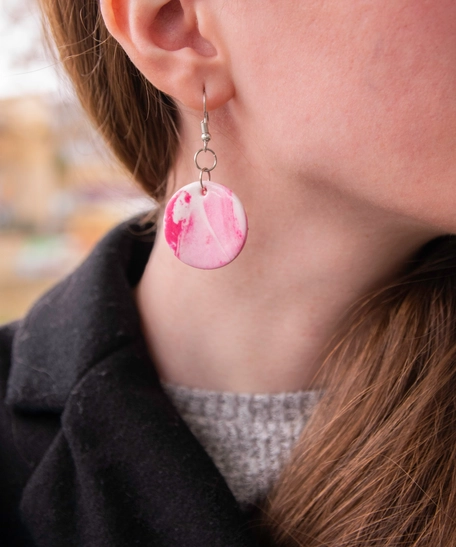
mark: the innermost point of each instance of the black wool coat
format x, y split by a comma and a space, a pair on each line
92, 452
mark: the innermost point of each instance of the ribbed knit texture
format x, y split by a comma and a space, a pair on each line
248, 436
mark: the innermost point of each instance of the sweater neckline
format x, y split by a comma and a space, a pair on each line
249, 436
228, 405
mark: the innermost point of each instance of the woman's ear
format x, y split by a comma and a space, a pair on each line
174, 43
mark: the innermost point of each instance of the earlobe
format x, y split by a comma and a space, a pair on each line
170, 45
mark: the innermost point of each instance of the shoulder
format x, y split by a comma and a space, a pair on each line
10, 456
43, 355
21, 445
7, 333
24, 436
83, 318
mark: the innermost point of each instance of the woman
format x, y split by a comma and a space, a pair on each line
335, 124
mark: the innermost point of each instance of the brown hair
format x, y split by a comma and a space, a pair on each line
138, 122
376, 464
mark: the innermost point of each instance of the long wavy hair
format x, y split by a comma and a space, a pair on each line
376, 465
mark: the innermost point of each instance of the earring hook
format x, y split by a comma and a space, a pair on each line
205, 137
205, 112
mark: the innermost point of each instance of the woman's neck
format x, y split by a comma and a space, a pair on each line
262, 323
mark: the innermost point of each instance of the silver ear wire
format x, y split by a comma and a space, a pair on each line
205, 137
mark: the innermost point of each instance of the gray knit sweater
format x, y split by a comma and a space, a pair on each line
248, 436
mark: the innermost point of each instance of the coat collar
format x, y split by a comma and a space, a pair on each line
124, 468
85, 317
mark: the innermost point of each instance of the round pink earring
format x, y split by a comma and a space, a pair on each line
205, 223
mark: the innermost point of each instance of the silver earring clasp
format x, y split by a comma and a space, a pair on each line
205, 137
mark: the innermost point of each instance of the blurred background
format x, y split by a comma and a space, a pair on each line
60, 189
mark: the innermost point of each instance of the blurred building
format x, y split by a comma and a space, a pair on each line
60, 191
28, 178
50, 161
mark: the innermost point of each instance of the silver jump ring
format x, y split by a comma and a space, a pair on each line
205, 169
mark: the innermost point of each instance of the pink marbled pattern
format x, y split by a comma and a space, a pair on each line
205, 231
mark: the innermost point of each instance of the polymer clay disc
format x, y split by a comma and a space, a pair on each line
206, 230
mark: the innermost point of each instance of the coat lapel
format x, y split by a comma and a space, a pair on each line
124, 468
83, 318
